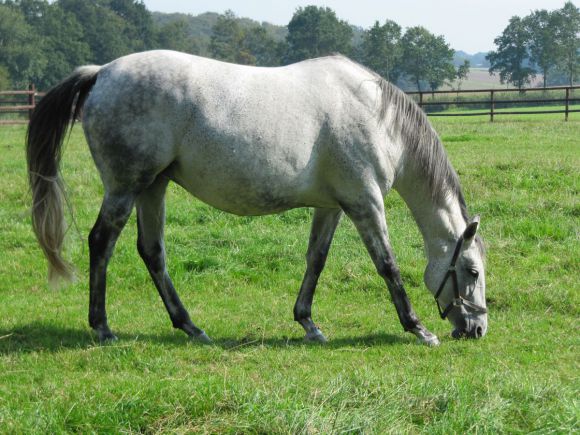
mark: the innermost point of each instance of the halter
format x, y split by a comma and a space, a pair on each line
458, 300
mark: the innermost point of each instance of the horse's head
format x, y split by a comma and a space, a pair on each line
457, 280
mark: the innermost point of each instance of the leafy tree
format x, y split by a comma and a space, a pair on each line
512, 52
316, 31
381, 49
426, 58
245, 45
567, 21
226, 39
543, 44
20, 48
264, 50
174, 35
33, 10
138, 24
63, 43
105, 30
462, 73
440, 62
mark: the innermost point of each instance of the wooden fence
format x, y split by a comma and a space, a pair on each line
18, 102
25, 102
427, 100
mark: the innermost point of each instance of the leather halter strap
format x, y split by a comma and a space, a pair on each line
458, 300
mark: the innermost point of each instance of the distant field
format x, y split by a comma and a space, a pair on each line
240, 276
479, 78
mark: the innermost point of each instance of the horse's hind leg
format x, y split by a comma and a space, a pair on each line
150, 243
323, 226
115, 210
368, 216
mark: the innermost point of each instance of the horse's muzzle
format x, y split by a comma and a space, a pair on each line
477, 331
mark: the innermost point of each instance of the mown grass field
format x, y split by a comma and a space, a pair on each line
239, 277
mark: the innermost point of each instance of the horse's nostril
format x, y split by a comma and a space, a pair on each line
478, 332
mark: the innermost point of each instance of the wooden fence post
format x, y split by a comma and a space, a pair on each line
420, 99
492, 99
31, 99
567, 103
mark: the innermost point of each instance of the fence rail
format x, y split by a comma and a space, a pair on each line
492, 102
426, 100
18, 105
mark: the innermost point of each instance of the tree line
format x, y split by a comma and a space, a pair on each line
42, 42
545, 42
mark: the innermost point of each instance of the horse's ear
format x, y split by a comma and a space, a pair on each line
471, 229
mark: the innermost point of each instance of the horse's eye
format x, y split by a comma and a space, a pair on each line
473, 272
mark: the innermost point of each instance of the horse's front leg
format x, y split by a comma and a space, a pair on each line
323, 226
368, 215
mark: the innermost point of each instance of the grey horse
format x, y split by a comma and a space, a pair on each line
325, 133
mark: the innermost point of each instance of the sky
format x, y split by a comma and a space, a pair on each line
468, 25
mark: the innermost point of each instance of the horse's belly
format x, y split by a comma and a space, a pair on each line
256, 188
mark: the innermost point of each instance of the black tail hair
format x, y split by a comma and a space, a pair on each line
49, 123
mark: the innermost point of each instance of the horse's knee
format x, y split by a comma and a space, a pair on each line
388, 269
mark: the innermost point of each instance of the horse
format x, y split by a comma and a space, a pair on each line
324, 133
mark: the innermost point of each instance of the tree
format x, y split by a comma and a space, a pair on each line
316, 31
227, 38
245, 45
567, 21
174, 35
20, 47
33, 10
426, 58
543, 44
63, 42
381, 49
440, 63
512, 52
262, 47
462, 73
138, 24
104, 29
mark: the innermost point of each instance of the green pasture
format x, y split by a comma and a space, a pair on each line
239, 278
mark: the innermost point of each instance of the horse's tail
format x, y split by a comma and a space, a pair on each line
49, 123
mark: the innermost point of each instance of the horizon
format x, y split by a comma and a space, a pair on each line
468, 29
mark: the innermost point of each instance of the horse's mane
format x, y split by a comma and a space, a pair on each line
423, 146
422, 143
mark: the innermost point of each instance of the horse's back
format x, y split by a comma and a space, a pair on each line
245, 139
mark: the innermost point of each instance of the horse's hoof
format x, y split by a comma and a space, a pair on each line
315, 337
429, 340
425, 337
202, 337
106, 337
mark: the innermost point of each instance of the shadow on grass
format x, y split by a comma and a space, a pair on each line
39, 336
340, 342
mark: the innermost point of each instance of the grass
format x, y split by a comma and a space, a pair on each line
240, 276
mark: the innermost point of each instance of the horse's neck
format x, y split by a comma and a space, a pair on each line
440, 224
